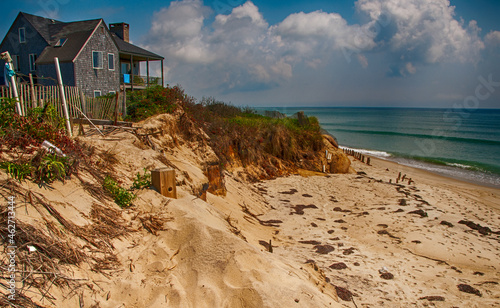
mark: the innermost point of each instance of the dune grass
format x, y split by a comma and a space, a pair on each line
236, 133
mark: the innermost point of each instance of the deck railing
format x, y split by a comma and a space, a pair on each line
140, 80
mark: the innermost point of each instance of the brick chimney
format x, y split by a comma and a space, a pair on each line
121, 29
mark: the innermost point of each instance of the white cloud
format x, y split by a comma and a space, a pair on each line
316, 32
424, 30
362, 60
235, 51
492, 38
247, 10
281, 68
410, 68
240, 51
313, 63
177, 31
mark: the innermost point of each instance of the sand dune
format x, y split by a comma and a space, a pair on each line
326, 240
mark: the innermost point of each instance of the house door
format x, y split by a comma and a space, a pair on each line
125, 68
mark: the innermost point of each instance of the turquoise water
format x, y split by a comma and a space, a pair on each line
457, 143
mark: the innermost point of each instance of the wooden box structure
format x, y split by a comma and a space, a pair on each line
163, 180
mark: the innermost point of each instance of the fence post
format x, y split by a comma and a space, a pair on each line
116, 107
8, 61
33, 94
124, 107
21, 99
63, 98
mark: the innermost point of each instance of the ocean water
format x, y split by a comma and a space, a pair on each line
457, 143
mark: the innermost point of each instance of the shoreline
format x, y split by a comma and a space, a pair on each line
428, 177
396, 160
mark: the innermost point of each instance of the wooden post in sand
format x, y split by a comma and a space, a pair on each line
163, 180
216, 183
368, 161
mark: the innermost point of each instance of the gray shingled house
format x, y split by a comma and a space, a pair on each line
92, 56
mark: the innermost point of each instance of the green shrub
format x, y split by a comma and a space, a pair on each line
48, 114
27, 133
19, 171
155, 100
42, 169
51, 168
142, 181
220, 108
121, 196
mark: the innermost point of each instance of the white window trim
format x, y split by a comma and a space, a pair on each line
32, 63
113, 62
102, 61
19, 32
60, 42
97, 91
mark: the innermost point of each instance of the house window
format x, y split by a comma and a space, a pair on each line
61, 42
15, 62
97, 93
22, 35
111, 61
112, 92
32, 62
97, 59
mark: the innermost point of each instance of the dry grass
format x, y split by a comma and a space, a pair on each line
58, 244
154, 223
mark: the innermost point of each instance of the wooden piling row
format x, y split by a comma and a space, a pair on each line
364, 159
402, 178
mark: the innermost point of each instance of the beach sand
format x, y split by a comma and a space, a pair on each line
331, 236
370, 230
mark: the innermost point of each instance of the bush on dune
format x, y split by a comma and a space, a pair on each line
21, 139
254, 138
155, 100
235, 132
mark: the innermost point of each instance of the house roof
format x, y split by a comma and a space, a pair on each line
41, 24
76, 34
130, 49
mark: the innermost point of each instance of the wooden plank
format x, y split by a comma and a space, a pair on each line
33, 93
116, 107
69, 100
102, 122
83, 104
109, 110
21, 99
76, 101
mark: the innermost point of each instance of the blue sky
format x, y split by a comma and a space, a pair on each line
420, 53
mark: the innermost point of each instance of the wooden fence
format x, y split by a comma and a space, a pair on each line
31, 96
103, 107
